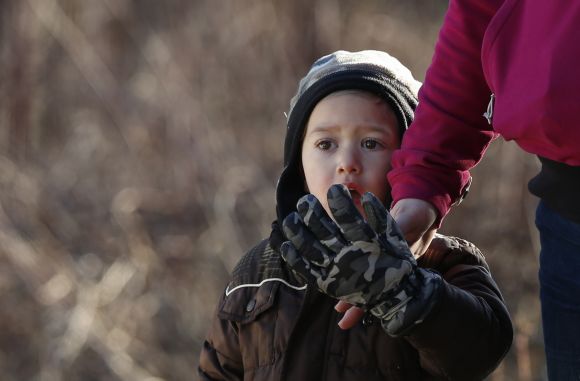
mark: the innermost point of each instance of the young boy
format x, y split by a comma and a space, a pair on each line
438, 317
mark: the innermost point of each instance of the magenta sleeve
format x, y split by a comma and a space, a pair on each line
449, 134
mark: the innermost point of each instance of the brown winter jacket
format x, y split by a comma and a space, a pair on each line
270, 326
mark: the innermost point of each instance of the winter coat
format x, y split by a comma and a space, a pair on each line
525, 53
271, 326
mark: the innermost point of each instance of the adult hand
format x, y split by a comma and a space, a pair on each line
416, 220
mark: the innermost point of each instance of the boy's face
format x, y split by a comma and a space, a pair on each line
349, 139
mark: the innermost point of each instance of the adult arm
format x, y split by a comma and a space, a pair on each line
449, 134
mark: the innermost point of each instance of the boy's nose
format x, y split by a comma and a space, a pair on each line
348, 164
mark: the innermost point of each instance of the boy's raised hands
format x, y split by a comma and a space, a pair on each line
365, 263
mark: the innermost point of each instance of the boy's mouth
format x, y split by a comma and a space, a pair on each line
355, 193
356, 198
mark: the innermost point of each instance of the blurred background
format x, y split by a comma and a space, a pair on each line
140, 144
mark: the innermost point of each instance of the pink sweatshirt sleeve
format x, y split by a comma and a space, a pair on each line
449, 134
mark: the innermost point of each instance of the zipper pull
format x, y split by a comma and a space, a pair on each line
489, 113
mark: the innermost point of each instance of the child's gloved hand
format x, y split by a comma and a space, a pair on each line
366, 263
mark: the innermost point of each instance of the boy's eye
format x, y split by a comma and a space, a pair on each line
370, 144
324, 145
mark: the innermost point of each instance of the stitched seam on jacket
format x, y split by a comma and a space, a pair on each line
256, 285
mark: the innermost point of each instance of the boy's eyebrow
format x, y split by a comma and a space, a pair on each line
322, 128
331, 127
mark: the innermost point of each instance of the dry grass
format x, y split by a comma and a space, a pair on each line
140, 143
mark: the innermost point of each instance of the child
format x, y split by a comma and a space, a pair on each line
439, 317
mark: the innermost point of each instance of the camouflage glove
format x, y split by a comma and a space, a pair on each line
366, 263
